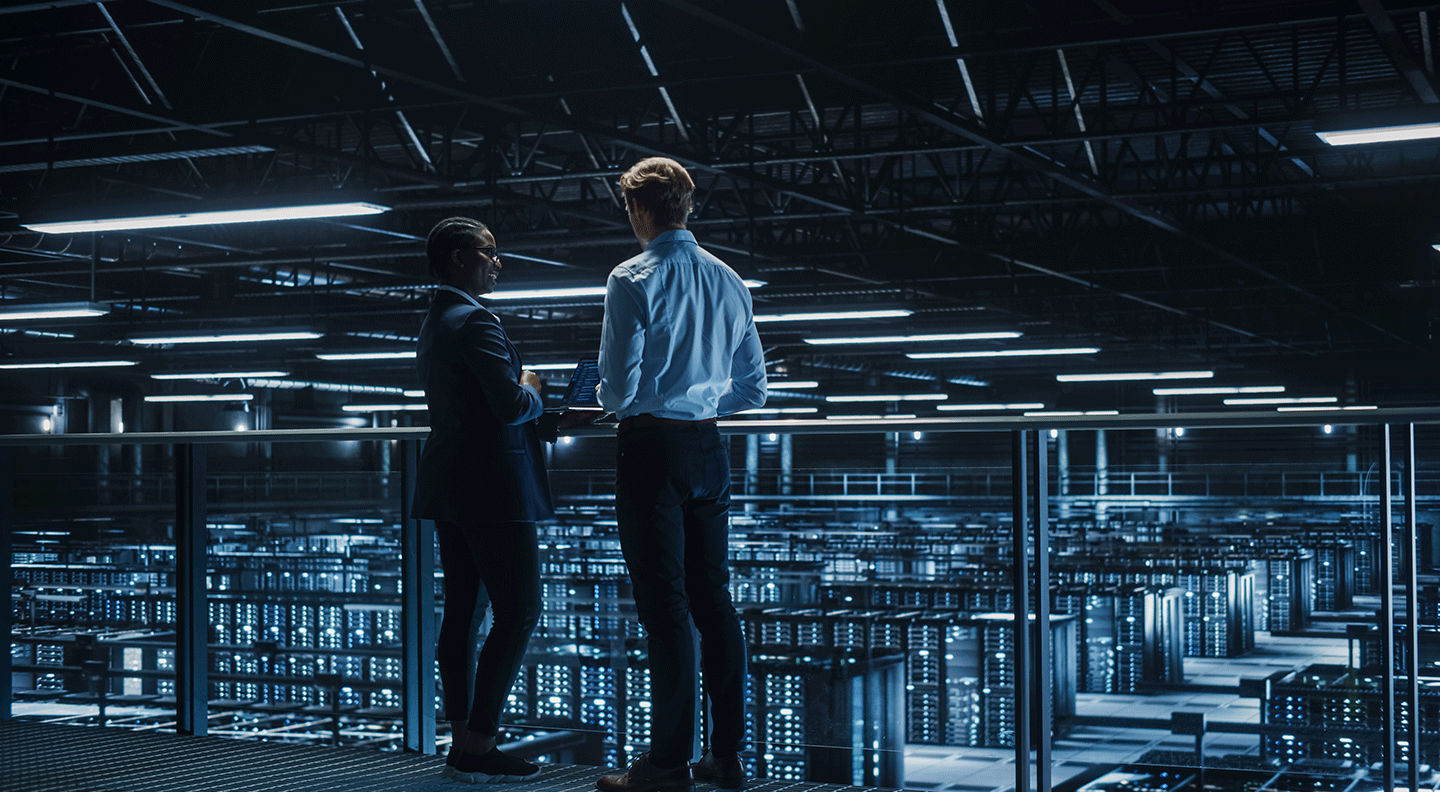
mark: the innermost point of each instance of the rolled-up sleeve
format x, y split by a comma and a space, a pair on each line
487, 354
747, 375
622, 343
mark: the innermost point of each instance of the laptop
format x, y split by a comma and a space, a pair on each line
580, 394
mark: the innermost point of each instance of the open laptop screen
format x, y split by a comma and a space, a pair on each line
581, 392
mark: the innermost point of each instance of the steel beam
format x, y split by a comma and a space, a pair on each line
1387, 612
191, 618
1412, 608
1020, 581
1044, 649
7, 506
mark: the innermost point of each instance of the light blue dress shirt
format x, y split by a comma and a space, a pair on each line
679, 336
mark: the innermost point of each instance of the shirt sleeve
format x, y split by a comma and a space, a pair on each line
747, 372
486, 352
622, 343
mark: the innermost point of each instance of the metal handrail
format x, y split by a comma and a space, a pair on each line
1227, 420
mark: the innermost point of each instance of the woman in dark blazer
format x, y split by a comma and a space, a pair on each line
482, 480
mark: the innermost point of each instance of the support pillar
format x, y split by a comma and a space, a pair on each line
417, 611
192, 621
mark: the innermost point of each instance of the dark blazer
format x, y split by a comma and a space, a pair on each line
483, 461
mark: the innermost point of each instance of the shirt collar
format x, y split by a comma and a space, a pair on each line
673, 235
468, 298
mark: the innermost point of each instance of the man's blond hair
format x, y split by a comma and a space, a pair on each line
662, 187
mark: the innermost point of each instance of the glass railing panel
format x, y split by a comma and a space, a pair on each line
93, 605
303, 592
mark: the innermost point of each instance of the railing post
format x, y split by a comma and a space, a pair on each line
1387, 612
7, 494
192, 686
1412, 606
417, 611
1043, 661
1020, 579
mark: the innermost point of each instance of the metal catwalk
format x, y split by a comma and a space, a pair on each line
39, 757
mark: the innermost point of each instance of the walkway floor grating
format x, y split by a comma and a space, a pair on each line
43, 757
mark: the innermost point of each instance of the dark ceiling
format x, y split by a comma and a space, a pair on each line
1148, 183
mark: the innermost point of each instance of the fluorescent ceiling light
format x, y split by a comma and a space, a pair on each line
180, 219
888, 397
974, 407
1127, 376
869, 417
73, 310
1218, 391
226, 338
561, 292
367, 355
780, 411
1308, 409
336, 387
1063, 413
201, 397
69, 364
383, 407
907, 339
1286, 400
1381, 134
220, 375
791, 384
830, 316
414, 394
994, 353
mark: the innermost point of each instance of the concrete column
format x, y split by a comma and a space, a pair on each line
787, 464
1062, 470
892, 460
1102, 473
752, 468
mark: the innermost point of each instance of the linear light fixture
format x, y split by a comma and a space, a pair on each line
217, 375
780, 411
202, 397
895, 417
1130, 376
414, 394
69, 364
227, 338
791, 384
1064, 413
561, 292
1381, 134
978, 407
1285, 400
14, 312
887, 397
1308, 409
335, 387
833, 316
216, 217
1218, 391
908, 339
403, 355
383, 407
996, 353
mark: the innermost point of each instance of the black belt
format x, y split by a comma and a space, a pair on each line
648, 421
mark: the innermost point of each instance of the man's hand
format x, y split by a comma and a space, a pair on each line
529, 378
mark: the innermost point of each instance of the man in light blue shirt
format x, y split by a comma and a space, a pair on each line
679, 349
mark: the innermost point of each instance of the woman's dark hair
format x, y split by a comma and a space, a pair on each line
452, 233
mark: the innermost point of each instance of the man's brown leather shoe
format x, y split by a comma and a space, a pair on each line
645, 777
725, 773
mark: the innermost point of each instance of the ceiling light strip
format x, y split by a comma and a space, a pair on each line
887, 397
1132, 376
222, 217
1000, 353
201, 397
833, 316
912, 339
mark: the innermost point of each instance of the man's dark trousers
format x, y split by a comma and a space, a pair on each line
672, 500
